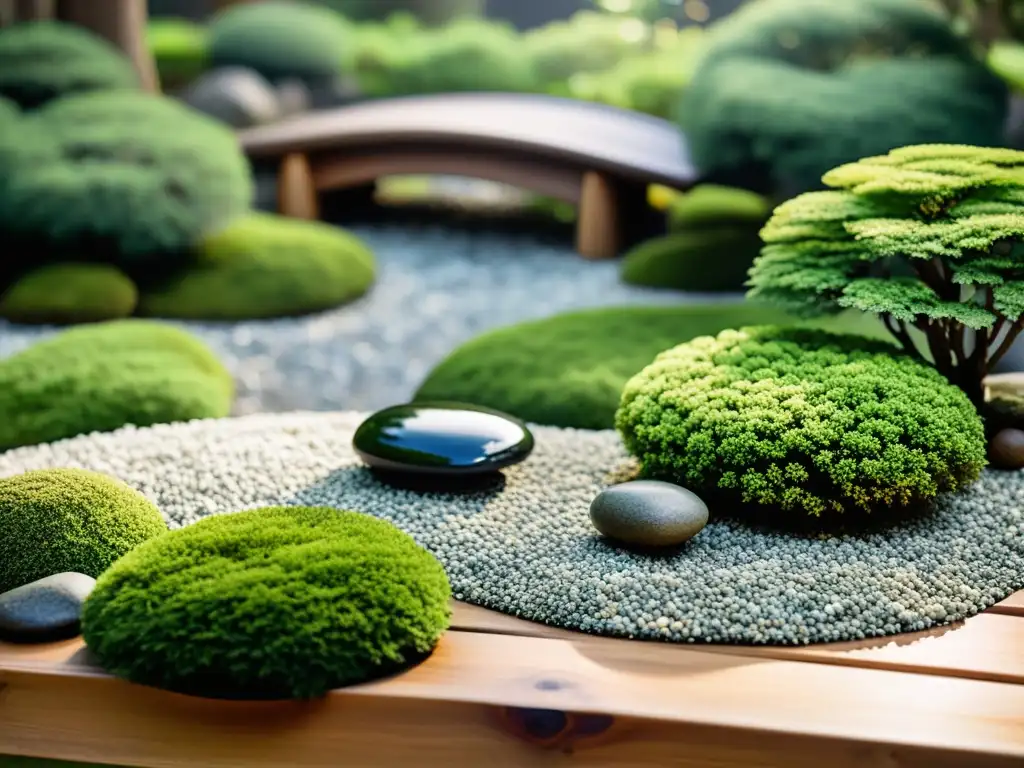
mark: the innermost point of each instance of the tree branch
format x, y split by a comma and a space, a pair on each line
899, 330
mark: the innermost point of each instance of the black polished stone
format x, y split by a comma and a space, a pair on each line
441, 439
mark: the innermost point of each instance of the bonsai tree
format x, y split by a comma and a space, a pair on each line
926, 237
787, 89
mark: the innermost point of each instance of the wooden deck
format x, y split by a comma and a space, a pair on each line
502, 692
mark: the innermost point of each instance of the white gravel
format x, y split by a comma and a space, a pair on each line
436, 288
529, 549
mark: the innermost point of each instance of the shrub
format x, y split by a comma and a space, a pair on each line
266, 266
711, 205
927, 237
801, 421
45, 60
704, 259
124, 177
269, 603
180, 48
570, 369
790, 88
100, 377
57, 520
427, 11
69, 293
281, 40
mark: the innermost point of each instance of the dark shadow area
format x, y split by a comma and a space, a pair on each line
483, 482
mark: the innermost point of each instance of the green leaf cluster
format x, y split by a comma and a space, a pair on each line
280, 602
58, 520
800, 421
788, 89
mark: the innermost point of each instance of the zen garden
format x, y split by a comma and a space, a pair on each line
249, 454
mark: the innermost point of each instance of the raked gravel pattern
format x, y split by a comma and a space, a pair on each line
436, 288
529, 549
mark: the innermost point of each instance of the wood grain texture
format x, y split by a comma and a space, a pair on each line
296, 190
1011, 606
597, 226
524, 701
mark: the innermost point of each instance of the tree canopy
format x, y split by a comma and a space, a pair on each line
928, 237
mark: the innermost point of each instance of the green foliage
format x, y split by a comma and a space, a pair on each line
69, 293
44, 60
704, 259
122, 177
801, 421
569, 370
268, 603
281, 40
713, 241
790, 88
97, 378
266, 266
57, 520
180, 48
467, 55
426, 11
927, 237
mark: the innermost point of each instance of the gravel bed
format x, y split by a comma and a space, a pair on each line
528, 548
436, 288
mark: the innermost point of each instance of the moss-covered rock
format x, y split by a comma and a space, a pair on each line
802, 422
569, 370
266, 266
269, 603
100, 377
122, 177
69, 293
45, 60
712, 205
58, 520
788, 89
281, 40
709, 260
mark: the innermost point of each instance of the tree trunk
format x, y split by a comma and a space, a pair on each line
123, 23
28, 10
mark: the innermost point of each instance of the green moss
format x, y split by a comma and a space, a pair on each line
180, 48
121, 177
569, 370
788, 89
281, 40
269, 603
801, 421
45, 60
1007, 60
266, 266
69, 293
100, 377
707, 260
712, 205
57, 520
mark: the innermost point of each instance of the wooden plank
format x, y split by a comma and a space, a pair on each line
1011, 606
986, 647
296, 192
523, 701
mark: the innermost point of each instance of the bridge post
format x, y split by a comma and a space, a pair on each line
597, 227
296, 192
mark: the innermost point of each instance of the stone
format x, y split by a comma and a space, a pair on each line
335, 92
293, 97
238, 96
648, 513
1006, 450
441, 439
45, 610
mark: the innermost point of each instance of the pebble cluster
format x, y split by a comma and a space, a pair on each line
436, 288
529, 549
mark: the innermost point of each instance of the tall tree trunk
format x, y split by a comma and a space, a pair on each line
123, 23
29, 10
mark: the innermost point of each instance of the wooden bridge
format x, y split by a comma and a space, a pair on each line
602, 159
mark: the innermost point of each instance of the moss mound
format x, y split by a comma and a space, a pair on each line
801, 421
569, 370
709, 260
122, 177
100, 377
713, 205
281, 40
57, 520
180, 48
266, 266
44, 60
788, 89
282, 602
69, 293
